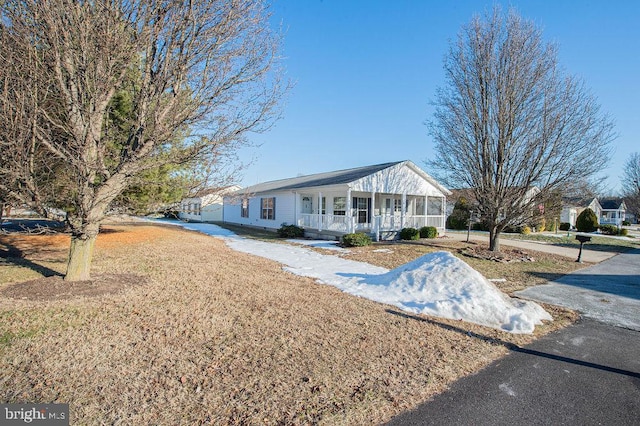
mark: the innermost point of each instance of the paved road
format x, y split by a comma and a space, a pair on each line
585, 374
608, 291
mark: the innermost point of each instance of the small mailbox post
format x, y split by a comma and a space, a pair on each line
583, 239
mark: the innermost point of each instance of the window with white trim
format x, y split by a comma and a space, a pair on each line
339, 206
268, 208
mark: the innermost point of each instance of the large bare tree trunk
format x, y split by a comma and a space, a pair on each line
494, 239
81, 253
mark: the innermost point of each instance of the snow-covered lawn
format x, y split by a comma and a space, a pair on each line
437, 284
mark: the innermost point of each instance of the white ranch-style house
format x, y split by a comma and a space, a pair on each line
379, 200
205, 206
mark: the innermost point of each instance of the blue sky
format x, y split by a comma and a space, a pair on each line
365, 72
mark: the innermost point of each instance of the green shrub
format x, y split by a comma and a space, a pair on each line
290, 231
609, 229
587, 221
479, 226
623, 232
409, 234
565, 226
626, 223
358, 239
459, 217
551, 227
428, 232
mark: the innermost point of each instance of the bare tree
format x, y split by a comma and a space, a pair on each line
631, 183
508, 120
199, 76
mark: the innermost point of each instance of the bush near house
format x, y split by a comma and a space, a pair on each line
609, 229
613, 230
626, 223
459, 217
565, 226
290, 231
525, 230
409, 234
587, 221
357, 239
428, 232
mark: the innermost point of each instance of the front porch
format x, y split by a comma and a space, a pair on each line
379, 215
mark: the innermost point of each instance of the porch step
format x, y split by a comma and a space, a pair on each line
323, 235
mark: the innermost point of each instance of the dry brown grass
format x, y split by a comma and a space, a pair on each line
220, 337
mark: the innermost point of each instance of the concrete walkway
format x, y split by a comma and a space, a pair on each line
585, 374
590, 256
608, 291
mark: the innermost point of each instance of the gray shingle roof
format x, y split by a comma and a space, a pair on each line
611, 203
319, 179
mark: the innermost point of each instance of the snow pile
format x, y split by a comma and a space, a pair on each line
442, 285
437, 284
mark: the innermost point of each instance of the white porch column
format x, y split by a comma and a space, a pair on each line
348, 212
426, 206
374, 223
320, 211
403, 210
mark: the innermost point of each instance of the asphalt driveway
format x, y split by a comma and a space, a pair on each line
608, 292
585, 374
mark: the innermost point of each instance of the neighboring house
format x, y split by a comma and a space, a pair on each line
379, 199
206, 206
572, 207
468, 194
613, 211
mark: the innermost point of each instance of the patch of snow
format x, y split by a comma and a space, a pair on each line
382, 250
504, 387
323, 244
437, 284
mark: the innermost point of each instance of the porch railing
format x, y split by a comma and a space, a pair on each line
341, 223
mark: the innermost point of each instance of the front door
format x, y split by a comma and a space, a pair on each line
307, 204
362, 207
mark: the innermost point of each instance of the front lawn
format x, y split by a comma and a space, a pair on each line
198, 333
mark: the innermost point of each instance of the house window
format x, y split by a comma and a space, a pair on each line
244, 208
420, 207
435, 206
324, 205
268, 208
339, 206
397, 205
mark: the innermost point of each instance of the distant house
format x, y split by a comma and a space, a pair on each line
613, 211
205, 206
379, 199
469, 196
573, 206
